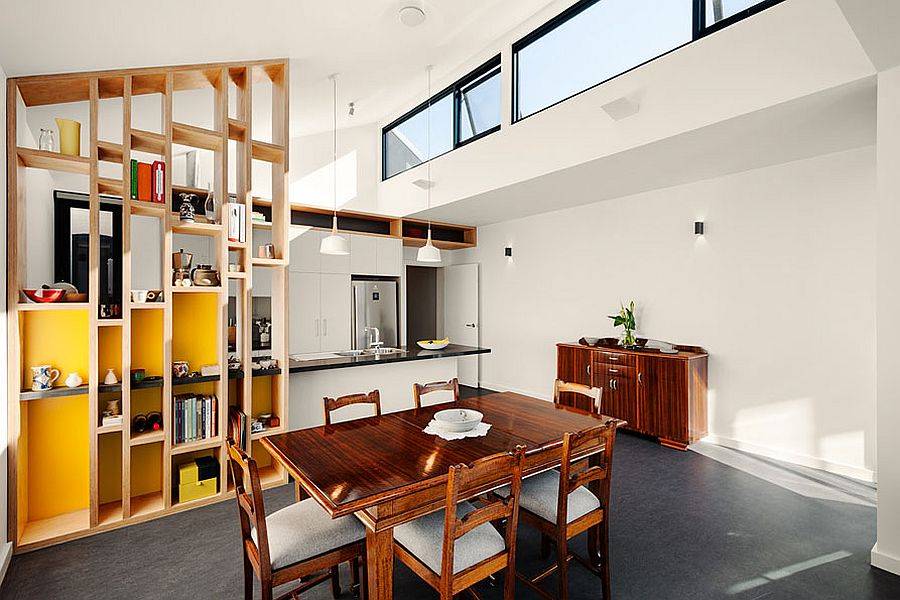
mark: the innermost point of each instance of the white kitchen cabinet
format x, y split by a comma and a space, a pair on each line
335, 312
362, 254
388, 256
331, 263
320, 312
305, 316
304, 250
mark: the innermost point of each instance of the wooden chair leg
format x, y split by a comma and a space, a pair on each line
562, 571
604, 558
335, 582
248, 579
509, 581
545, 546
266, 590
364, 588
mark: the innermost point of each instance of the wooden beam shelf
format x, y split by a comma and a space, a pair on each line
54, 161
268, 262
196, 137
191, 323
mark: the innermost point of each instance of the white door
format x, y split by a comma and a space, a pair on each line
461, 318
305, 323
388, 256
362, 254
335, 311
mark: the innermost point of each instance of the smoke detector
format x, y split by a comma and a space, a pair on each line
412, 16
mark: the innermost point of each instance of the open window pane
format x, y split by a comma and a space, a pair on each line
479, 106
603, 40
406, 144
719, 10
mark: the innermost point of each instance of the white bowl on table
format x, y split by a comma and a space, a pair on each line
458, 420
433, 344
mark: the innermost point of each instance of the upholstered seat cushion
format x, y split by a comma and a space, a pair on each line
540, 496
304, 530
424, 539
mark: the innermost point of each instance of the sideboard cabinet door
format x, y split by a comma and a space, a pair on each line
573, 366
662, 390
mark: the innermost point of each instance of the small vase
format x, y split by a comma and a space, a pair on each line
69, 137
628, 339
110, 378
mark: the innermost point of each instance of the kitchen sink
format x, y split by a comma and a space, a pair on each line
351, 353
379, 351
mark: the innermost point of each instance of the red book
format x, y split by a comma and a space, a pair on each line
144, 182
158, 182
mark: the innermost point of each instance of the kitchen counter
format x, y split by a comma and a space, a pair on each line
410, 354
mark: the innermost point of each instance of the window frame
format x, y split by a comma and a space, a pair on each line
699, 31
477, 76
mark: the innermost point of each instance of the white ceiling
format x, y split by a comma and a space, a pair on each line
381, 62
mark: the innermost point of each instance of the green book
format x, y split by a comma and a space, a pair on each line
134, 178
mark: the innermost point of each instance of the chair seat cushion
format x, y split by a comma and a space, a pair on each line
424, 539
304, 530
540, 496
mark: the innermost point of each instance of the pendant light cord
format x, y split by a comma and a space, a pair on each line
334, 144
428, 148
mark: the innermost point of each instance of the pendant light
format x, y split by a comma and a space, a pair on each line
334, 244
428, 253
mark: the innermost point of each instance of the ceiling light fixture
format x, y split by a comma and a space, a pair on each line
428, 253
334, 244
411, 16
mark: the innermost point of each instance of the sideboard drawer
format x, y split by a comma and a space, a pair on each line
611, 357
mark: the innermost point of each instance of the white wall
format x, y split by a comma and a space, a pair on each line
5, 545
780, 291
720, 77
886, 553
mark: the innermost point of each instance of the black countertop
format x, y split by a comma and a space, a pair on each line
415, 353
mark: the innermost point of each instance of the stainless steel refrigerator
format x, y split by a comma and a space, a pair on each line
374, 304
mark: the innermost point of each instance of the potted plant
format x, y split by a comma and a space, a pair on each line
625, 319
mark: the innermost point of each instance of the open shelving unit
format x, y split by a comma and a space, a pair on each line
69, 476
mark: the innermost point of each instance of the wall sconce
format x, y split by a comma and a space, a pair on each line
698, 227
507, 251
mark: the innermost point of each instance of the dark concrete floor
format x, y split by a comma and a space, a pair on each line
683, 527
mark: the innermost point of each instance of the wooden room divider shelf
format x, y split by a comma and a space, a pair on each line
48, 505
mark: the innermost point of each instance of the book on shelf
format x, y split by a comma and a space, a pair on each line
237, 426
144, 181
134, 179
196, 417
158, 182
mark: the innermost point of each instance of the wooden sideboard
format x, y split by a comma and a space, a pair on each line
661, 395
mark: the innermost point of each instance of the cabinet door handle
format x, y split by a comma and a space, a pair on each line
641, 378
324, 327
589, 369
317, 327
613, 370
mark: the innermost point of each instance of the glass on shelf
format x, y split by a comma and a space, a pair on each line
47, 141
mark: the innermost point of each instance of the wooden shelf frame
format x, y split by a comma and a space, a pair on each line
127, 84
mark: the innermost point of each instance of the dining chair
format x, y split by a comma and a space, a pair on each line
300, 541
593, 393
420, 389
333, 404
455, 548
560, 506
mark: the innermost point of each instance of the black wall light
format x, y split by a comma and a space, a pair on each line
507, 251
698, 227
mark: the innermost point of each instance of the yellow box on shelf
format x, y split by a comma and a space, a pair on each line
198, 479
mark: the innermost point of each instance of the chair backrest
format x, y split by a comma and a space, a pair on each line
250, 504
462, 481
332, 404
595, 394
575, 447
420, 390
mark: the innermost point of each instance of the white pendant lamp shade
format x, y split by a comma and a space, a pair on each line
429, 253
334, 244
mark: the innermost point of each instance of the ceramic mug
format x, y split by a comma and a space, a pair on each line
139, 296
43, 377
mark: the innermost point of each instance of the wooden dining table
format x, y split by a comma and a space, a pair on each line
387, 471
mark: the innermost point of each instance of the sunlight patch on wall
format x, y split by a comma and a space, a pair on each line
317, 187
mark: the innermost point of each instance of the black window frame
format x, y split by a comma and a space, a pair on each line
479, 75
699, 31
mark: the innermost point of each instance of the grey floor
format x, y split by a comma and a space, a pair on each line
684, 526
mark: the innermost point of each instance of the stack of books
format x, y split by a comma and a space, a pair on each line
196, 417
237, 216
148, 181
238, 426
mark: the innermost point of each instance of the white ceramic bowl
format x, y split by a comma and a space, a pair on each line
458, 420
591, 340
429, 345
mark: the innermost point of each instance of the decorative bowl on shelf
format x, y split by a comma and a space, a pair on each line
434, 344
43, 296
591, 341
458, 420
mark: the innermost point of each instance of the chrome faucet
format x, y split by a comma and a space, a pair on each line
377, 341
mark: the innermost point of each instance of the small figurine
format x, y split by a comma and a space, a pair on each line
186, 212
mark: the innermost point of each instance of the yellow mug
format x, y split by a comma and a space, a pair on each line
69, 137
